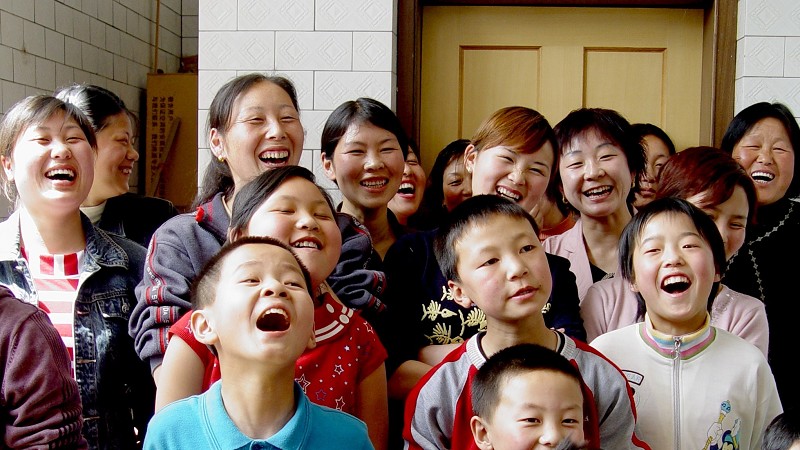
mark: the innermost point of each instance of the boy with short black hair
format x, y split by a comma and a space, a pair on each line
260, 329
527, 395
490, 252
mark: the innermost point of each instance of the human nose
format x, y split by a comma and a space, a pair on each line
275, 130
764, 155
516, 268
132, 154
306, 221
551, 435
672, 256
60, 150
517, 175
273, 288
592, 170
373, 161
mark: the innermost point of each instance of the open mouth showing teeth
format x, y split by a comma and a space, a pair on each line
762, 177
307, 243
406, 188
597, 192
275, 157
374, 183
675, 284
273, 319
60, 174
503, 192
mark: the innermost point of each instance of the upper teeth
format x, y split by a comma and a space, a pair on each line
406, 186
508, 193
675, 279
310, 244
54, 172
374, 183
275, 154
595, 191
762, 174
274, 311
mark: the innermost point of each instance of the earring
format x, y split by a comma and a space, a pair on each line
221, 159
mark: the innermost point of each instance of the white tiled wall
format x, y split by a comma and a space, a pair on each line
768, 53
333, 51
46, 44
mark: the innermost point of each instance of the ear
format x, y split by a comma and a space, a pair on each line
327, 167
470, 154
202, 324
479, 433
459, 296
8, 167
216, 141
312, 341
634, 288
717, 277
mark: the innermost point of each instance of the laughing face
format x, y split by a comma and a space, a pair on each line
595, 176
511, 173
115, 159
674, 272
52, 165
297, 214
508, 278
367, 165
265, 132
263, 310
766, 153
409, 194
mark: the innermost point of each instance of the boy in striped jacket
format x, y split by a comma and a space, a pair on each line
490, 253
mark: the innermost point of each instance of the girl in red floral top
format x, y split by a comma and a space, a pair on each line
346, 369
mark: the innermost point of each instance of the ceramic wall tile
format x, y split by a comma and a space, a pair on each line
276, 15
333, 88
216, 15
313, 51
373, 51
763, 56
354, 15
240, 50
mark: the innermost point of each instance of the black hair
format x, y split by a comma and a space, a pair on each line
476, 209
253, 194
631, 239
97, 103
748, 117
783, 431
431, 210
203, 289
359, 111
648, 129
217, 177
611, 125
487, 385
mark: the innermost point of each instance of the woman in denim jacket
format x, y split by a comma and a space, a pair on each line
52, 256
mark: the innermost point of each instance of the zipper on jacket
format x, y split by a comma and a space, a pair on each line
676, 389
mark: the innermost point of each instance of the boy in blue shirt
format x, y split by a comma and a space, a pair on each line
253, 304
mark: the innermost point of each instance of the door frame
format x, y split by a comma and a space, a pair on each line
719, 55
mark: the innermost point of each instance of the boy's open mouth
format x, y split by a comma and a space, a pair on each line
273, 319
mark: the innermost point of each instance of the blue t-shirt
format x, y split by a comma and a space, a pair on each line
201, 421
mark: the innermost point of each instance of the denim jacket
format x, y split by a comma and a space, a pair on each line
116, 388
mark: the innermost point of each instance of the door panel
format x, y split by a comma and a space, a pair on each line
645, 63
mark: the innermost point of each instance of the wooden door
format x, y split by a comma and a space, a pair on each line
644, 62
